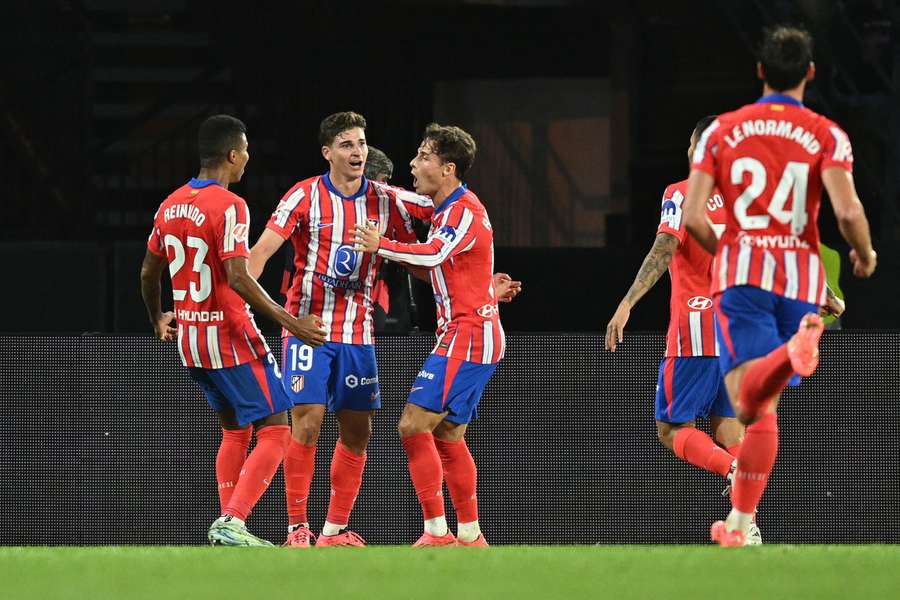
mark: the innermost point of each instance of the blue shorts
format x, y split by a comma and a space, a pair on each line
753, 322
253, 390
450, 385
340, 376
690, 387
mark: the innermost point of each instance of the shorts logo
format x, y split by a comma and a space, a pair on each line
423, 374
487, 311
352, 381
296, 383
344, 261
699, 303
415, 388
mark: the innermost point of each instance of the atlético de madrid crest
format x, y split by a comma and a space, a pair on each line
296, 383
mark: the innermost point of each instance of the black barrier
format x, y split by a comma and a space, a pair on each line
105, 440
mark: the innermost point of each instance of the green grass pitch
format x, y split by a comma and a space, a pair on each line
514, 572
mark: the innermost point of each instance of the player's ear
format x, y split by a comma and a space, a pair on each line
811, 71
760, 74
232, 156
326, 153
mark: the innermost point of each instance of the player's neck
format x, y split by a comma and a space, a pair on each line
221, 176
347, 187
795, 93
447, 188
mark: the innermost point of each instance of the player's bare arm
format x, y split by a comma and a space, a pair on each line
267, 245
851, 218
151, 271
700, 187
308, 329
655, 264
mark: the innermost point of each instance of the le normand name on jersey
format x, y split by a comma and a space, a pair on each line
772, 127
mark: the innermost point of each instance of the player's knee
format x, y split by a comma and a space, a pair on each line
666, 435
356, 438
306, 432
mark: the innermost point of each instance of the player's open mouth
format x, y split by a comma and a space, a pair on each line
356, 164
415, 181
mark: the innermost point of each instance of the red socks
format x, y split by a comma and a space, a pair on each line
461, 475
299, 465
757, 456
697, 448
346, 478
229, 460
765, 378
258, 469
426, 472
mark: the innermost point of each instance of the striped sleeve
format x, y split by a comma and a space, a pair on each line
704, 158
290, 211
836, 149
420, 207
232, 233
154, 242
671, 219
455, 235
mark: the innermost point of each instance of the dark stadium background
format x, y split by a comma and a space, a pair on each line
100, 100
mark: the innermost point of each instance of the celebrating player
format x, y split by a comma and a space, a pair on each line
333, 280
690, 383
470, 340
769, 160
200, 231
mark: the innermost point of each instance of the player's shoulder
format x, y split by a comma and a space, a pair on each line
471, 201
679, 186
304, 185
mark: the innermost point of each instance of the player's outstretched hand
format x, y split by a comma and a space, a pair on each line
309, 330
834, 306
616, 327
863, 267
367, 238
163, 327
505, 288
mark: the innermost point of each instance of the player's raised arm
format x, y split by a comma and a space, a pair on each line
851, 218
453, 238
655, 264
699, 188
309, 328
151, 272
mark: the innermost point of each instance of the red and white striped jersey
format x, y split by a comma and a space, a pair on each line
197, 228
767, 159
460, 253
692, 320
332, 279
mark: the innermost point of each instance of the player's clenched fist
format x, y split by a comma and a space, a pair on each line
367, 238
863, 267
505, 287
308, 329
163, 327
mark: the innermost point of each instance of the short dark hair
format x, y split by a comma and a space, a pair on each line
702, 124
452, 144
218, 135
785, 54
378, 163
334, 124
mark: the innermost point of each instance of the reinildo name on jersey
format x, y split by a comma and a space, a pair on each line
184, 211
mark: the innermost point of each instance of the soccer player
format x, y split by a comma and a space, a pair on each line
690, 384
770, 160
470, 339
333, 280
200, 231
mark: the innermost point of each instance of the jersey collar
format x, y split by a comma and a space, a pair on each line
453, 197
202, 183
363, 188
779, 99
